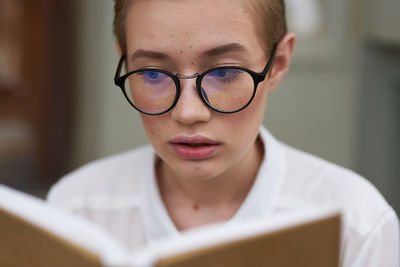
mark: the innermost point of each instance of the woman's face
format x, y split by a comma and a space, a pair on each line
188, 37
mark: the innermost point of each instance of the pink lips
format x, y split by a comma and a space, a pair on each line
194, 147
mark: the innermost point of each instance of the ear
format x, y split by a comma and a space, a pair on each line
282, 60
119, 50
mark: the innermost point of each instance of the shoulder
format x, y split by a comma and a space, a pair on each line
370, 227
312, 180
115, 174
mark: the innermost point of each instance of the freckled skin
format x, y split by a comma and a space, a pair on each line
219, 183
193, 33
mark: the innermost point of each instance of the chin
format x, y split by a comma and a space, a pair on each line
196, 170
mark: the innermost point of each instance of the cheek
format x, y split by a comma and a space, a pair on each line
257, 107
252, 116
148, 125
153, 126
244, 125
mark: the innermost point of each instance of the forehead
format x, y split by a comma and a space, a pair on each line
183, 24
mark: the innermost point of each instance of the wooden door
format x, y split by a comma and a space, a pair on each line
36, 90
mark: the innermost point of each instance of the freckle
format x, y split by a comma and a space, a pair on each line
195, 207
181, 51
192, 63
152, 132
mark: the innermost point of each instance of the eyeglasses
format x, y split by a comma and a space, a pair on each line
226, 89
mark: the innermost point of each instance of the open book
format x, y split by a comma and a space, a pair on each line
34, 233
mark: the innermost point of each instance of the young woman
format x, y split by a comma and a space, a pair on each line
199, 73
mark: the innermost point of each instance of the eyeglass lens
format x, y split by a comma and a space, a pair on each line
151, 91
225, 89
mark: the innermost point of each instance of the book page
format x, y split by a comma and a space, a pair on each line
52, 225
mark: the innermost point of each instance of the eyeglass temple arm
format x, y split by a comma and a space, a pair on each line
270, 61
118, 72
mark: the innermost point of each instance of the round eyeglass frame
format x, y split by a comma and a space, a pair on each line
258, 77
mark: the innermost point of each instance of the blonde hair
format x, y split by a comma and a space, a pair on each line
269, 18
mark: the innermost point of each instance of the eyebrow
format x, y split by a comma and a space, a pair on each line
217, 51
227, 48
141, 53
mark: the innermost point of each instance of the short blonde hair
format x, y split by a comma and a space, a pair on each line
269, 18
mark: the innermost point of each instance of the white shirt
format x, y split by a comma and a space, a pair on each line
120, 194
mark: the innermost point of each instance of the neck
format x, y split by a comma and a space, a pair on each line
219, 197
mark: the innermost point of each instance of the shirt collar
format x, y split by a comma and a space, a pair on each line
259, 203
263, 196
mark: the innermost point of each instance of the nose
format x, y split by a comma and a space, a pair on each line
190, 108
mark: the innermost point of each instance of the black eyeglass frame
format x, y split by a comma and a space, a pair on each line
258, 77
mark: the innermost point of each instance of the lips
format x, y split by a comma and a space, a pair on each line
195, 147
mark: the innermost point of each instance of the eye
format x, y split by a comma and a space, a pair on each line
220, 73
225, 75
154, 76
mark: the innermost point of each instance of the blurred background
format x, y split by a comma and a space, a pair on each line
59, 108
